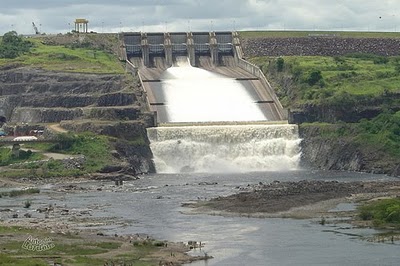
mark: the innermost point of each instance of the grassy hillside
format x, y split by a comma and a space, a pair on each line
74, 57
317, 79
361, 89
94, 148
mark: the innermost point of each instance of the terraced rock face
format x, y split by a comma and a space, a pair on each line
36, 96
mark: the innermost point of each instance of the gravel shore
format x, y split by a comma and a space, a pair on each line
302, 199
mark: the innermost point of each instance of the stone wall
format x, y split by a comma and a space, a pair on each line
320, 46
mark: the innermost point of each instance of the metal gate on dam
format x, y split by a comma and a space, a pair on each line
151, 54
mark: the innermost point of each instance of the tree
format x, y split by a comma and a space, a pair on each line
279, 64
314, 77
13, 45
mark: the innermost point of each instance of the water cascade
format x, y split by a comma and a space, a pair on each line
197, 95
194, 95
225, 148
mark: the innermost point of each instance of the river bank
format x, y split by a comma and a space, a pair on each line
149, 208
71, 234
304, 199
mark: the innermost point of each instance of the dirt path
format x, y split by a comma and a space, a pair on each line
57, 128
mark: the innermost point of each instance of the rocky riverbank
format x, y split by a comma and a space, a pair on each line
302, 199
323, 149
71, 232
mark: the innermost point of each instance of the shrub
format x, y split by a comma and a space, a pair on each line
380, 60
27, 204
314, 77
381, 211
13, 45
280, 62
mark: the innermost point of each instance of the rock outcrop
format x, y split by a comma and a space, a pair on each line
36, 96
322, 151
112, 105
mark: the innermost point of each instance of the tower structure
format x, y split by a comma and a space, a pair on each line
81, 25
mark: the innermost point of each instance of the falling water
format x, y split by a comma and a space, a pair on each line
197, 95
239, 148
194, 95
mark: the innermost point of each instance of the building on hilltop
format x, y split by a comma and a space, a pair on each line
81, 25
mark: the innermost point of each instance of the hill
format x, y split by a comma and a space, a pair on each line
343, 89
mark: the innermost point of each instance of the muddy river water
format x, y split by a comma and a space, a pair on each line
152, 205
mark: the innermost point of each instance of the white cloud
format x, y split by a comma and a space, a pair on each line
200, 15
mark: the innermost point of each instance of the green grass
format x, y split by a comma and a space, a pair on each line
382, 212
94, 148
64, 59
380, 135
7, 260
297, 34
6, 157
43, 146
15, 230
72, 251
354, 77
78, 248
17, 193
351, 75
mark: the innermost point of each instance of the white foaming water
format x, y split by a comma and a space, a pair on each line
241, 148
197, 95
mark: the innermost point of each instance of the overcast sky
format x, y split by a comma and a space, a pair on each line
57, 16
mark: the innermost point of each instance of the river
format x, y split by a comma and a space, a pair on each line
152, 205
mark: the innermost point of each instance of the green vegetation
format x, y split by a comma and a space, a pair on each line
94, 147
15, 230
7, 158
16, 193
27, 204
94, 150
7, 260
332, 87
379, 136
332, 80
12, 45
75, 249
382, 212
347, 87
382, 131
75, 57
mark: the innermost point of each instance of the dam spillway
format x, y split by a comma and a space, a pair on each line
151, 54
225, 148
215, 112
196, 95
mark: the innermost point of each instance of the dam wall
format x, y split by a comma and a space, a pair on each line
147, 46
151, 54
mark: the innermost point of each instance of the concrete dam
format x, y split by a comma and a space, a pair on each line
214, 111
